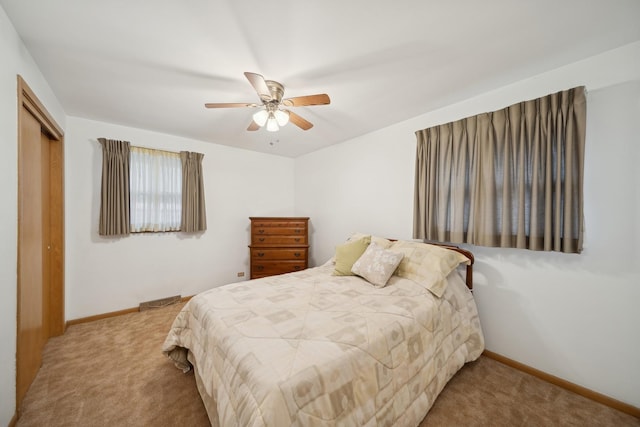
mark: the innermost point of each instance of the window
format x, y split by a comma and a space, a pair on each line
155, 190
510, 178
146, 190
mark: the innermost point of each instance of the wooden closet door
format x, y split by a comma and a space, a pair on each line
33, 248
40, 284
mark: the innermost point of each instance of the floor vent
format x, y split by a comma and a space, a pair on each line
157, 303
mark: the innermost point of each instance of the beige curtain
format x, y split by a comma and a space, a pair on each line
194, 215
509, 178
114, 195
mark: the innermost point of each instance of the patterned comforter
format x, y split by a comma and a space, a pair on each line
312, 349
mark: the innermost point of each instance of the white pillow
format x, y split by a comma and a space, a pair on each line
427, 265
376, 265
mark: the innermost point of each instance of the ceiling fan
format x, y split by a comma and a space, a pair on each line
273, 115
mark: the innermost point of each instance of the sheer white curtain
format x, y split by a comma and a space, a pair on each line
155, 190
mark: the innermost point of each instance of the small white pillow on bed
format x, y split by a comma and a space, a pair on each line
376, 265
427, 265
380, 241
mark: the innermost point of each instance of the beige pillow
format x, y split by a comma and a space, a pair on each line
380, 241
427, 265
376, 265
348, 253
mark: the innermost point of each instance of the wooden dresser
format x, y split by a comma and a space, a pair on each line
278, 245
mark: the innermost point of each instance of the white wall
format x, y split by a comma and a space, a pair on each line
15, 60
573, 316
109, 274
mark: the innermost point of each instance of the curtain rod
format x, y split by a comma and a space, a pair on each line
156, 149
146, 148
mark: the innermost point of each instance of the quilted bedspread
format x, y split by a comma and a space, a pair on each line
312, 349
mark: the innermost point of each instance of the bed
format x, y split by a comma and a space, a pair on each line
317, 348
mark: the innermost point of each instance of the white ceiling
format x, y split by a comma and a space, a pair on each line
154, 64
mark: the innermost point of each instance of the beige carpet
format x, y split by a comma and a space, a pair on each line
111, 373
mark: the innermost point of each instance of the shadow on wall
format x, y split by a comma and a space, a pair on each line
509, 319
313, 262
96, 185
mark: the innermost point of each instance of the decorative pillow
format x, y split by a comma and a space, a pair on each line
348, 253
427, 265
380, 241
376, 265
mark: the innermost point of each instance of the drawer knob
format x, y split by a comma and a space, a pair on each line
261, 239
297, 267
259, 267
297, 230
297, 239
297, 254
261, 231
260, 253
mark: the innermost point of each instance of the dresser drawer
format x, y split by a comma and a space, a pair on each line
266, 240
260, 254
279, 231
273, 223
269, 268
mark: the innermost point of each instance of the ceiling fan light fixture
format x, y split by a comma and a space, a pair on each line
272, 123
282, 117
270, 114
261, 117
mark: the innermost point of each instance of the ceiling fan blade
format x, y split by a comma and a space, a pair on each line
301, 101
299, 121
230, 104
258, 83
253, 126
